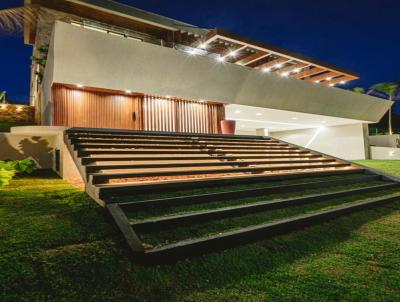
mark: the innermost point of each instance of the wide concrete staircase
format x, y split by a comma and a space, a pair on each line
208, 181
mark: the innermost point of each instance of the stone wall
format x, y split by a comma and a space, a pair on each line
17, 113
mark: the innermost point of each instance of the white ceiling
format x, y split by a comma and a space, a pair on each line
249, 118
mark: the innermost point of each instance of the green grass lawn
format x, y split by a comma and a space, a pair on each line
58, 245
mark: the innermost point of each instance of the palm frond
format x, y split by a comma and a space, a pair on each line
389, 89
12, 19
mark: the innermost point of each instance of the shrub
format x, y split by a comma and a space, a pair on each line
8, 169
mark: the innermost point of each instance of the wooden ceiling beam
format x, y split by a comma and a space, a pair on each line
342, 80
325, 76
253, 58
292, 68
307, 73
235, 50
274, 63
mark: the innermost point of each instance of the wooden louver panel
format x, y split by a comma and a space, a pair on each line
179, 115
95, 109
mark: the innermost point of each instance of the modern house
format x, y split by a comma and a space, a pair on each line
132, 103
114, 66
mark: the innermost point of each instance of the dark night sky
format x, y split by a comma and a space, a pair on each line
358, 35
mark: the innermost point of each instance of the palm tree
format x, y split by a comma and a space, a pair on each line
390, 91
12, 19
359, 90
3, 98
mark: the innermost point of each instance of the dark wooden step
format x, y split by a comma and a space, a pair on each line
174, 163
234, 211
237, 194
84, 152
81, 146
169, 137
171, 140
202, 156
117, 189
102, 177
192, 247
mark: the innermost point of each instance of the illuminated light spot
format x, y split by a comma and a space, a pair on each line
258, 114
79, 85
294, 118
317, 81
203, 45
285, 74
128, 91
278, 65
266, 69
331, 85
342, 82
232, 53
202, 101
237, 111
297, 70
220, 59
192, 52
328, 79
168, 96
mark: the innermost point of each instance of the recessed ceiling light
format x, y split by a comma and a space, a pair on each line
284, 74
266, 69
296, 70
331, 85
237, 111
232, 53
328, 79
278, 65
220, 59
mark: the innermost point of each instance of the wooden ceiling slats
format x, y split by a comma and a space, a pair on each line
253, 58
308, 72
292, 68
273, 63
324, 76
337, 80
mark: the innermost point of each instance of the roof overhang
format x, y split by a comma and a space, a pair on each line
247, 52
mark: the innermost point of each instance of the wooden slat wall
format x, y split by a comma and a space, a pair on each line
93, 109
180, 115
74, 107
